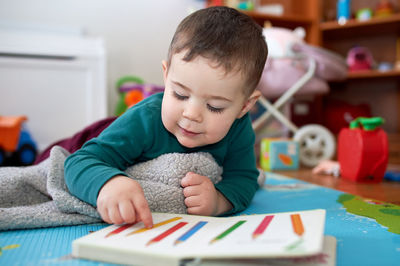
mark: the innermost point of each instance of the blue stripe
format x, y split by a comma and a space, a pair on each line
191, 231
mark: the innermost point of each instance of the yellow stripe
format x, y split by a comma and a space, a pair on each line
154, 226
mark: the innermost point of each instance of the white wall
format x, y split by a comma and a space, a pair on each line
137, 33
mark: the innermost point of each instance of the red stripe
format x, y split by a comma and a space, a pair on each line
168, 232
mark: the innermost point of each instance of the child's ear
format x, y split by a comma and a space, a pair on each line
165, 69
249, 103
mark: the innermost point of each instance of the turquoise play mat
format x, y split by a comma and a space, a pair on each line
367, 231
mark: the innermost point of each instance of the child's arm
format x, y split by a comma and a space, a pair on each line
239, 178
93, 169
201, 197
121, 200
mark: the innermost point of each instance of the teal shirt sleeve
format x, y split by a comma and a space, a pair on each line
240, 173
117, 147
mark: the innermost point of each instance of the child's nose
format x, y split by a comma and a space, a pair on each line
192, 112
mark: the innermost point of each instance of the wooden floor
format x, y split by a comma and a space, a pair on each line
384, 191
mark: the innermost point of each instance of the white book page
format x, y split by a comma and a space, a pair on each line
278, 239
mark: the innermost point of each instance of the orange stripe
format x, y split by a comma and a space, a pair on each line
297, 224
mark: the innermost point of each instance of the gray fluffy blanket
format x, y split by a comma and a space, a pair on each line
36, 196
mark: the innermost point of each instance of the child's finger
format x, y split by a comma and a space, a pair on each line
104, 215
127, 212
114, 215
192, 202
190, 191
143, 211
191, 179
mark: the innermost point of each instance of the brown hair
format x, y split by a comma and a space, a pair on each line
225, 36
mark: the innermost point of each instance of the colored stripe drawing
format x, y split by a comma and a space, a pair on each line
166, 233
262, 226
119, 229
297, 224
227, 232
190, 232
144, 229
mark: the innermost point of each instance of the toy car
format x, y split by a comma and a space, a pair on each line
16, 144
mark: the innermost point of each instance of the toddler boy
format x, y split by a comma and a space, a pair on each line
215, 61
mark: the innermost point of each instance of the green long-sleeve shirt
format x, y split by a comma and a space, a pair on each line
139, 135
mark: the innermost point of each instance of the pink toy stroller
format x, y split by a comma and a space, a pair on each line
295, 68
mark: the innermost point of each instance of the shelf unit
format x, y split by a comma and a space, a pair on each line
373, 74
390, 23
304, 13
381, 90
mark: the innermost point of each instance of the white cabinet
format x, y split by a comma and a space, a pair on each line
57, 81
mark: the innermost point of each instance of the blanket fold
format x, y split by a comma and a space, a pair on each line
36, 196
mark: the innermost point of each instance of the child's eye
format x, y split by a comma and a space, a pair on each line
180, 97
215, 109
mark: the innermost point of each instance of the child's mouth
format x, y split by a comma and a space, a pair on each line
188, 132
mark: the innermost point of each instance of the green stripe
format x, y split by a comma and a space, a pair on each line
229, 230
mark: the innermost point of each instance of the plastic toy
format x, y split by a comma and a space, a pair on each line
16, 143
385, 66
384, 8
392, 176
279, 154
364, 14
359, 58
343, 8
214, 3
246, 5
363, 150
132, 90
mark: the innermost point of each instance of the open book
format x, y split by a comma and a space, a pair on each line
176, 238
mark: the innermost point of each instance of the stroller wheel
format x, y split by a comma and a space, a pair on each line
316, 143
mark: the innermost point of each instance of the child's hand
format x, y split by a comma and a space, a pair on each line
121, 200
201, 197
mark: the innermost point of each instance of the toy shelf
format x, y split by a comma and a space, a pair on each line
290, 21
370, 74
390, 23
304, 13
294, 20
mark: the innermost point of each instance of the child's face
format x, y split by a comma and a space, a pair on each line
201, 102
